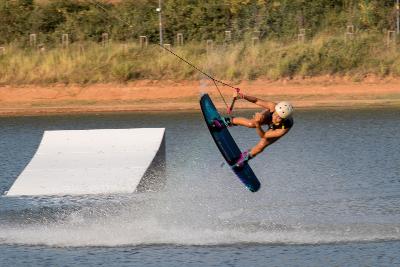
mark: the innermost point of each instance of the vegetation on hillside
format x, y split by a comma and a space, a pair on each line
278, 53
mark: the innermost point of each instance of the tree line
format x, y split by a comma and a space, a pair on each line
197, 20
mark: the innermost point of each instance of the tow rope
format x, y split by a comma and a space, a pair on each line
229, 108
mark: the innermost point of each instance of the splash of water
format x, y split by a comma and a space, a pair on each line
166, 219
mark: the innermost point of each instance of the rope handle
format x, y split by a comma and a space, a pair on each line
233, 101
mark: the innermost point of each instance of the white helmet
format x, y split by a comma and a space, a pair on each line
284, 109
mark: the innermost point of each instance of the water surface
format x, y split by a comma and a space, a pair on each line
330, 195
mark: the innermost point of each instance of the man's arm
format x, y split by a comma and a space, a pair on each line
267, 138
259, 130
277, 133
262, 103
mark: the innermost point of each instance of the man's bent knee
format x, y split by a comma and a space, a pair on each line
251, 124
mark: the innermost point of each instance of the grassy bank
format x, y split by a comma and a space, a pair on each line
89, 62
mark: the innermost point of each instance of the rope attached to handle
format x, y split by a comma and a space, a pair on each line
229, 108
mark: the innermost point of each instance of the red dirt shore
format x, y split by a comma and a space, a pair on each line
147, 95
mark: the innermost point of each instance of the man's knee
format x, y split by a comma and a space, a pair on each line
251, 124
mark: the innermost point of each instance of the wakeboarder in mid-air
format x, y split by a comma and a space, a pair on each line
277, 117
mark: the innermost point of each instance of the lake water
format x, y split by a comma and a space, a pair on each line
330, 196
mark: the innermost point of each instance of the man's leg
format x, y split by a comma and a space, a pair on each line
249, 123
243, 122
234, 121
251, 153
261, 145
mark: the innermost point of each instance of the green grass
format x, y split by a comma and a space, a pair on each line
88, 63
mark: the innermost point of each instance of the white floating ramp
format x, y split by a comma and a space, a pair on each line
76, 162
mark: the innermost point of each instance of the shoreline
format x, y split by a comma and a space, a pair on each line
148, 96
74, 110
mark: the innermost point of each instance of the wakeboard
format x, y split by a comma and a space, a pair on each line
227, 145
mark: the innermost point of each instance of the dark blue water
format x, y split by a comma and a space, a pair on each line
330, 196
